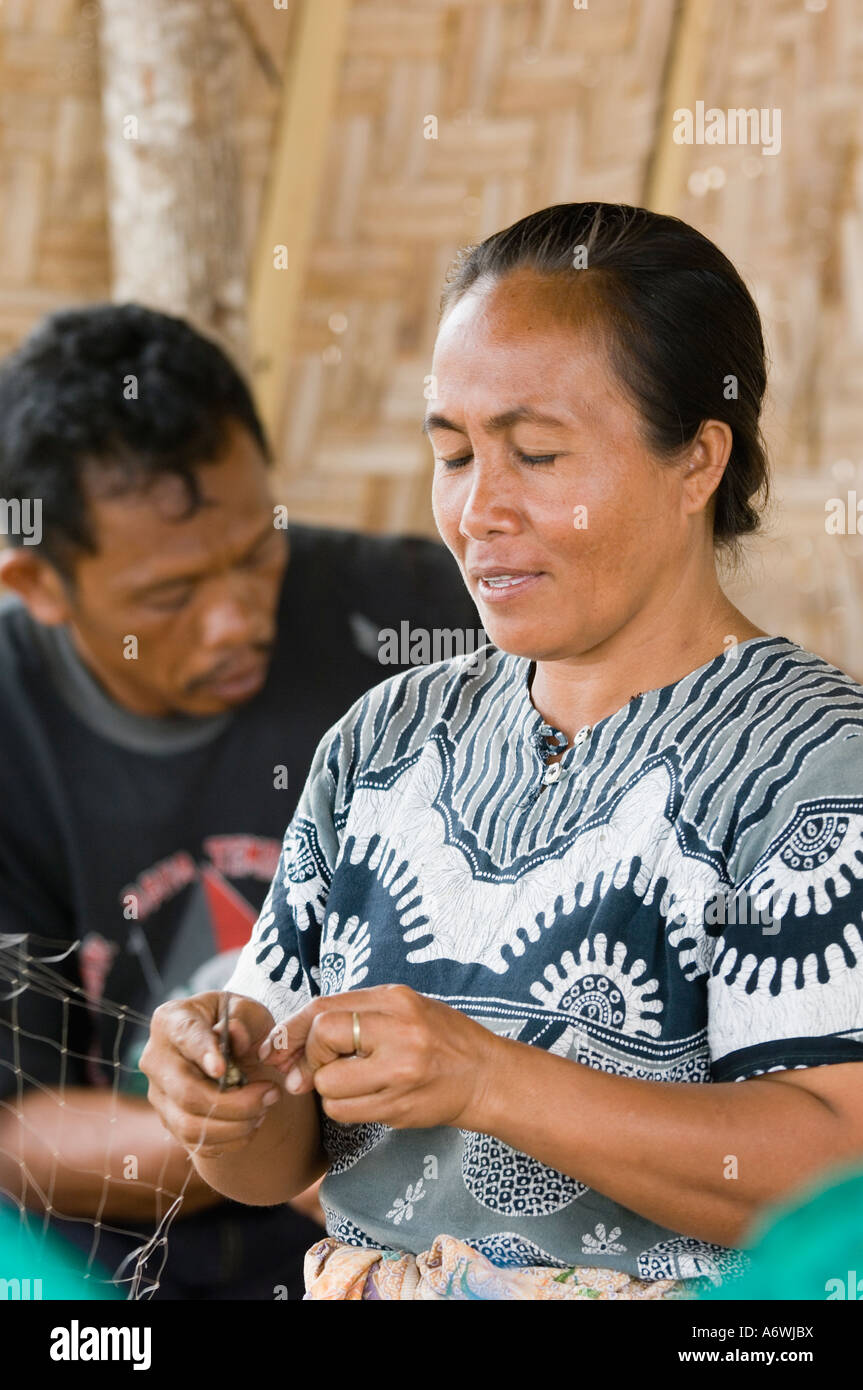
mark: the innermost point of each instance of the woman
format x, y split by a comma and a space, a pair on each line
529, 907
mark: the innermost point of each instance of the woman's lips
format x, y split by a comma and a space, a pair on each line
506, 588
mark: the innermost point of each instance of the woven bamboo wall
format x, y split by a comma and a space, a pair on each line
527, 99
536, 102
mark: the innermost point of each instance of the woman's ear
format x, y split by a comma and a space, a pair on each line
37, 583
708, 458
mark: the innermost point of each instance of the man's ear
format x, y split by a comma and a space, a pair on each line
37, 583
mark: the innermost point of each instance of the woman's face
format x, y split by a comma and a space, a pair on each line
542, 482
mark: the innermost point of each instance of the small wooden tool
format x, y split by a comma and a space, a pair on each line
232, 1076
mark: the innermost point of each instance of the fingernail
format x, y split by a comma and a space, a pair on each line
271, 1096
211, 1064
295, 1079
264, 1050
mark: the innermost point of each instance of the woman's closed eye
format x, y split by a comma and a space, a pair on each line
522, 458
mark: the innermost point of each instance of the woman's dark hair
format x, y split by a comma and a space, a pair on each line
126, 390
684, 335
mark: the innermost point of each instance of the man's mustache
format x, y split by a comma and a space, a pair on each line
227, 668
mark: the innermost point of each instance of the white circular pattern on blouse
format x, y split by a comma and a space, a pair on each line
341, 1228
684, 1257
297, 857
347, 1144
502, 1179
821, 854
345, 947
509, 1250
596, 985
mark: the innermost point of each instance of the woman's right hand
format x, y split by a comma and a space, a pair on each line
183, 1062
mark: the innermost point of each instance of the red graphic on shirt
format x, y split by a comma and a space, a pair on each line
157, 884
244, 856
230, 856
95, 958
231, 916
215, 919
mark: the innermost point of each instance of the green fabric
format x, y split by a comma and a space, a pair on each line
54, 1269
808, 1247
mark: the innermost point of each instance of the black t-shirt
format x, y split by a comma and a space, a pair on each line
151, 843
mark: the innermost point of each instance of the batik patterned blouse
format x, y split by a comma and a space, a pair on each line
679, 899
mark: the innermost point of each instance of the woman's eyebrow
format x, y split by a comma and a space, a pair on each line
520, 414
439, 422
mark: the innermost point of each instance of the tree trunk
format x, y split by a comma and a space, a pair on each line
169, 100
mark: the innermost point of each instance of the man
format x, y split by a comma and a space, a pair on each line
168, 662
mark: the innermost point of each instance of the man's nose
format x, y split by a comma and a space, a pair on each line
231, 618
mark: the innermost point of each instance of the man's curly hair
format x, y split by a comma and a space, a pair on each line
119, 388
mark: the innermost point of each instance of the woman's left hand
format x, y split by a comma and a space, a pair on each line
421, 1064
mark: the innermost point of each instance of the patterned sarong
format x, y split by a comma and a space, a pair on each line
452, 1270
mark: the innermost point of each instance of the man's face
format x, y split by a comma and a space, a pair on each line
195, 596
562, 523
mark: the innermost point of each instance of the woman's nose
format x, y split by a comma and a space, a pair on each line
489, 505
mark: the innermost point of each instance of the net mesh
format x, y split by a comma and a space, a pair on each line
32, 968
